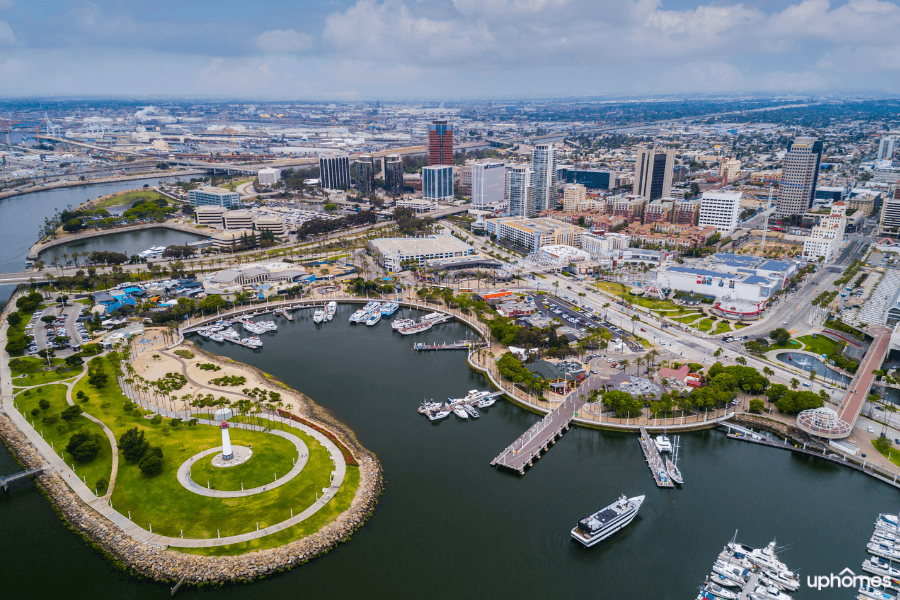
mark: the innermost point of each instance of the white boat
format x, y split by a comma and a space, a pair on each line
472, 412
216, 337
330, 309
764, 557
486, 402
879, 566
417, 328
358, 316
721, 580
400, 323
373, 319
877, 538
769, 592
719, 592
459, 412
596, 527
889, 520
736, 574
203, 333
267, 325
437, 415
428, 406
786, 580
867, 591
883, 550
389, 308
318, 316
663, 445
663, 476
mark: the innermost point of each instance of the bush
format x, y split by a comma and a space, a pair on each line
229, 380
133, 445
156, 420
882, 444
35, 412
757, 406
101, 485
79, 394
184, 353
152, 462
83, 446
44, 403
26, 393
98, 378
50, 419
209, 367
71, 412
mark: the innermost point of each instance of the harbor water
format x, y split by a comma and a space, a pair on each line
128, 243
450, 526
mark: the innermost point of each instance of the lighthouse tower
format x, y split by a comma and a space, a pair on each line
227, 453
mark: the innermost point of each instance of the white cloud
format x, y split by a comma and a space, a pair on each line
283, 40
12, 67
713, 76
7, 37
88, 18
785, 81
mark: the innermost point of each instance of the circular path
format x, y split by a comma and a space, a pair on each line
184, 471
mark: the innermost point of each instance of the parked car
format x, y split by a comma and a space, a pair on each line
870, 430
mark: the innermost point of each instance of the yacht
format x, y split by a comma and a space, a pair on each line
318, 316
719, 592
883, 550
888, 519
437, 415
595, 528
388, 309
721, 580
770, 592
416, 328
867, 591
787, 580
736, 574
216, 337
373, 319
886, 536
879, 566
400, 323
764, 557
472, 412
673, 471
663, 445
459, 412
358, 316
426, 407
203, 333
486, 402
330, 309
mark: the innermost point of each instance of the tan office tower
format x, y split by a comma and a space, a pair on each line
653, 173
799, 173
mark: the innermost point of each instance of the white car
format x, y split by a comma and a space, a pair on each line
870, 430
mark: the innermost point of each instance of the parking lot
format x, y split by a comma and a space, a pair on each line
65, 325
581, 319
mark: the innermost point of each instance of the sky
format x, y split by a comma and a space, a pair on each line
445, 49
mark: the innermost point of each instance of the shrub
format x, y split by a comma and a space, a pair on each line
80, 394
101, 485
156, 420
757, 406
83, 446
98, 378
26, 393
50, 419
133, 445
229, 380
71, 412
44, 403
35, 412
209, 367
184, 353
175, 423
152, 463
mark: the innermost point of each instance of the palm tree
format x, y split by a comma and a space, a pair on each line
768, 372
794, 382
624, 362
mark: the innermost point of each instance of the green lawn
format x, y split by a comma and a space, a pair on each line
29, 370
722, 327
129, 198
819, 345
163, 503
791, 345
739, 326
889, 451
59, 433
272, 455
705, 325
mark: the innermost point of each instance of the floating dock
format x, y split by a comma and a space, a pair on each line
539, 437
654, 460
461, 345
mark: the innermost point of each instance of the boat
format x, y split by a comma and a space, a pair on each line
598, 526
203, 333
358, 316
721, 580
373, 319
216, 337
672, 465
883, 550
663, 445
389, 308
888, 519
459, 412
787, 580
437, 415
719, 592
867, 591
400, 323
769, 592
878, 566
330, 309
416, 328
426, 407
318, 316
764, 557
486, 402
471, 410
736, 574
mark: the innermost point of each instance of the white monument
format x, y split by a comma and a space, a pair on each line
227, 453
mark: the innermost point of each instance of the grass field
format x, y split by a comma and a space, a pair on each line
28, 371
130, 198
162, 502
819, 345
890, 452
272, 455
791, 345
722, 327
705, 325
60, 432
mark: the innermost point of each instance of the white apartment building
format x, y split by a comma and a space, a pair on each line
826, 238
487, 181
730, 169
604, 245
720, 210
520, 191
543, 161
533, 234
574, 195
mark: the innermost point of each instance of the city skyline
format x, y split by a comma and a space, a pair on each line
347, 50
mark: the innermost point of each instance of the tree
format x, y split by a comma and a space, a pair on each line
98, 378
71, 412
133, 445
83, 446
152, 462
757, 406
780, 336
794, 382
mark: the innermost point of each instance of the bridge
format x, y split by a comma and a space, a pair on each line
5, 481
539, 437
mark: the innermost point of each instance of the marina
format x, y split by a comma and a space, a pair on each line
461, 407
654, 460
741, 572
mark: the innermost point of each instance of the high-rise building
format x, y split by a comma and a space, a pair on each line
574, 195
653, 173
520, 191
886, 148
594, 179
440, 143
799, 172
213, 196
334, 172
827, 236
488, 183
364, 174
393, 175
890, 215
437, 183
543, 161
720, 210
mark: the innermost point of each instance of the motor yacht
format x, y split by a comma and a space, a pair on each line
883, 550
868, 591
459, 412
598, 526
879, 566
732, 572
770, 592
373, 319
663, 444
719, 592
471, 411
318, 316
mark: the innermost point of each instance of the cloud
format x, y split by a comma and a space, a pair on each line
12, 67
7, 37
283, 40
7, 4
88, 17
785, 81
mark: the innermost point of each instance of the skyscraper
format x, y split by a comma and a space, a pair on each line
886, 148
520, 191
440, 143
543, 161
653, 173
799, 173
437, 183
364, 173
393, 175
488, 183
334, 172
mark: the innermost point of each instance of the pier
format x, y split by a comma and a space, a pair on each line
654, 460
461, 345
5, 481
539, 437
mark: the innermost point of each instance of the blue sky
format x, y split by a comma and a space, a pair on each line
446, 49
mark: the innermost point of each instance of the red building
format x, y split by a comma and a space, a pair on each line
440, 143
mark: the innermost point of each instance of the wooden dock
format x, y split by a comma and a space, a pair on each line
654, 460
539, 437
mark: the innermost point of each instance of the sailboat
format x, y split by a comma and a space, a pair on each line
672, 464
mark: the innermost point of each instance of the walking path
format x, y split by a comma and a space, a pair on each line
184, 471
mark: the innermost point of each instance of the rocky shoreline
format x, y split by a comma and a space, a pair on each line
162, 564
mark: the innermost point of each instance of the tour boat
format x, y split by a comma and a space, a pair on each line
598, 526
389, 308
663, 445
358, 316
318, 316
373, 319
330, 309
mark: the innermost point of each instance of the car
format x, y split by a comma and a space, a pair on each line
735, 402
644, 330
593, 371
611, 360
897, 441
870, 430
621, 367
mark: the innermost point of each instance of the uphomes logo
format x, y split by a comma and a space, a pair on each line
849, 579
